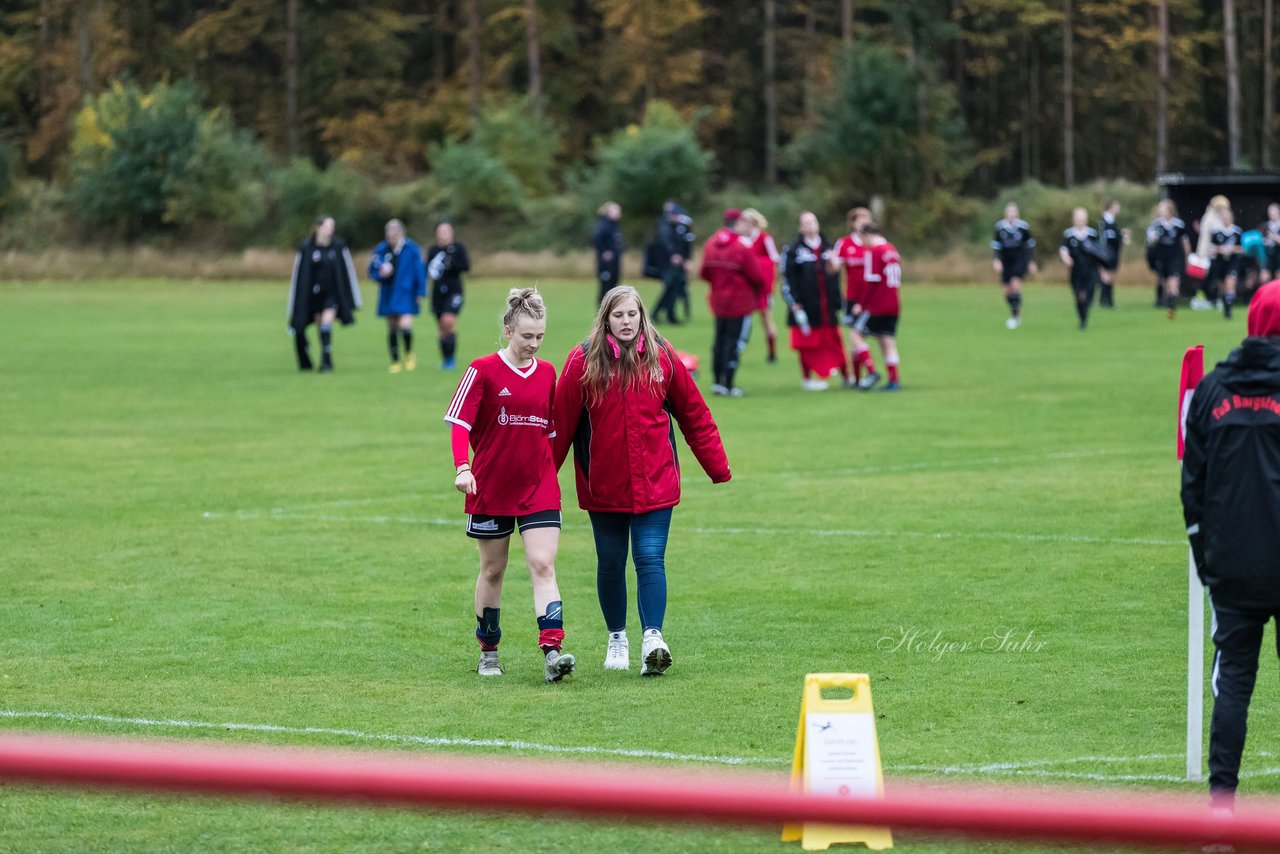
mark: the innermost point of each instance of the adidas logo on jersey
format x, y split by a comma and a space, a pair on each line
504, 392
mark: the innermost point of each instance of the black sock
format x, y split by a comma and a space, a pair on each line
488, 632
1015, 304
1107, 295
448, 346
302, 349
407, 335
393, 344
326, 345
1082, 307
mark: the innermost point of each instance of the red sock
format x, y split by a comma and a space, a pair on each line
863, 357
550, 639
893, 371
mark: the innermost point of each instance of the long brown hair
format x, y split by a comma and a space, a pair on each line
633, 367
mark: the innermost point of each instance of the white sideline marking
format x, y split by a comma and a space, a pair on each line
432, 741
949, 535
1029, 768
279, 514
929, 465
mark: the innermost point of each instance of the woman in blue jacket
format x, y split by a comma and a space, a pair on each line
397, 267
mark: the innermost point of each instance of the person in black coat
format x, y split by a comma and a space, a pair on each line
323, 288
813, 302
674, 238
1231, 505
608, 243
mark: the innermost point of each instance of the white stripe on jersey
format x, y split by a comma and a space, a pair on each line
772, 248
459, 397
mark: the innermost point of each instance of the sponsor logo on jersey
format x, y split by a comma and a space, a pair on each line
505, 392
488, 525
506, 419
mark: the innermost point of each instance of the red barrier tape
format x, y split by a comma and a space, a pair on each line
663, 795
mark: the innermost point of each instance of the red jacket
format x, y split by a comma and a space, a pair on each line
625, 444
734, 274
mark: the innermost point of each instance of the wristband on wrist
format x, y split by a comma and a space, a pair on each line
463, 467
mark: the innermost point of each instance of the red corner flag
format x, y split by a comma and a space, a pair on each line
1192, 373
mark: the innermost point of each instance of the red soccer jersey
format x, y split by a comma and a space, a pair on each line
508, 412
884, 280
852, 254
766, 254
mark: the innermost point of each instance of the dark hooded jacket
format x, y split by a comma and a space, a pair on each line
315, 263
1231, 467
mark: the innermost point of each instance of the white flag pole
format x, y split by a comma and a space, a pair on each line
1192, 372
1195, 671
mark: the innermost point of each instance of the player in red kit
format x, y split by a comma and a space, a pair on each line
502, 409
765, 250
876, 306
851, 253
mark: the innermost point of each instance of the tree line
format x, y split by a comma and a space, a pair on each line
957, 96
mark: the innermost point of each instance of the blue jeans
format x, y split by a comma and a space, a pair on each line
646, 533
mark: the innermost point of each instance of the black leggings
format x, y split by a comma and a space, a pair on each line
1237, 635
732, 334
1083, 284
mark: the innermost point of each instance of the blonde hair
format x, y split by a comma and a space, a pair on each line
523, 302
632, 367
756, 217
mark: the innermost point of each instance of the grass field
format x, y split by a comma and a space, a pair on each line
193, 532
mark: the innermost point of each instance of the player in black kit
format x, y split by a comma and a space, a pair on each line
446, 261
1225, 266
1167, 249
1113, 238
1083, 253
1014, 247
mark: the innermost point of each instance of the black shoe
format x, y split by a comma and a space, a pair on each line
326, 367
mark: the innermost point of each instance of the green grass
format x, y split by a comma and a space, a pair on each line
191, 530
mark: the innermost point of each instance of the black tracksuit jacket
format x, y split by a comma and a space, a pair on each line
1231, 476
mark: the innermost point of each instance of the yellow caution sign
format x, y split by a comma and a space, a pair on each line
837, 754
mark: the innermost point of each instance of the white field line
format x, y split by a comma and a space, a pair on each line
282, 515
930, 465
428, 741
1043, 768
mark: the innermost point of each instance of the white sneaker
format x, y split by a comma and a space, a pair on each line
559, 665
488, 665
618, 653
1012, 323
654, 654
1201, 304
719, 389
737, 392
814, 385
